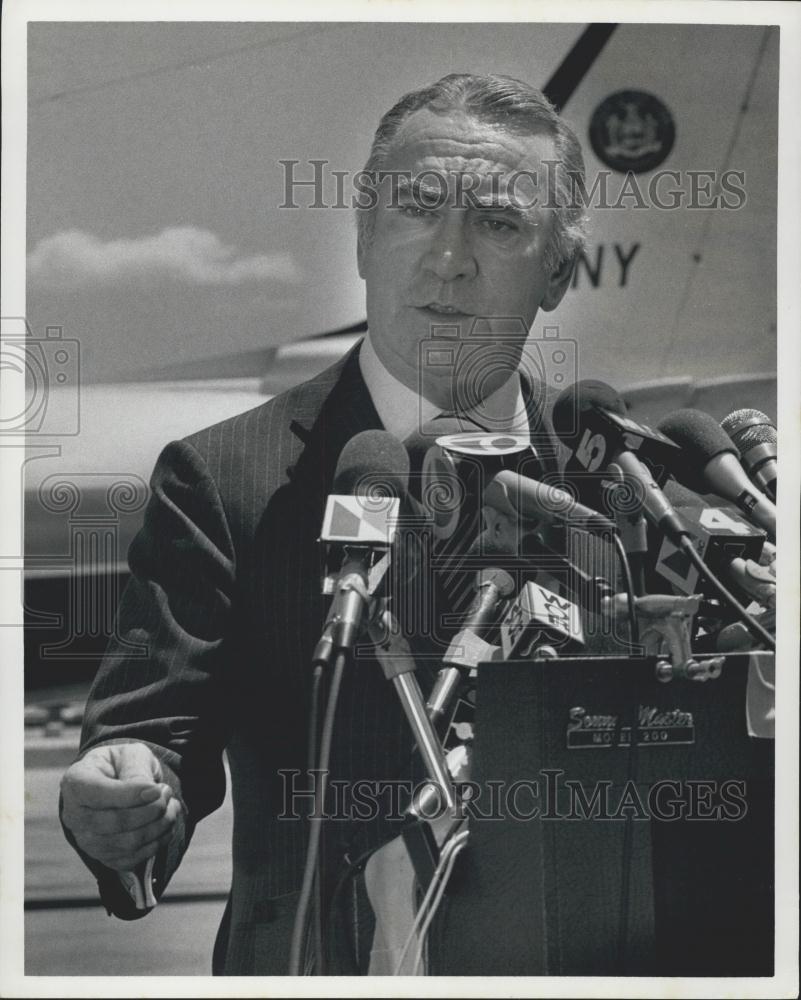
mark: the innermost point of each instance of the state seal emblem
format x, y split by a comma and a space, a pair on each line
632, 131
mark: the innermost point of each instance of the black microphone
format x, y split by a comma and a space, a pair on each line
589, 417
756, 439
468, 647
710, 463
359, 528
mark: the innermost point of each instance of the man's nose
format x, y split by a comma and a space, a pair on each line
450, 254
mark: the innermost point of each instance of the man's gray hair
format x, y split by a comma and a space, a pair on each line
519, 109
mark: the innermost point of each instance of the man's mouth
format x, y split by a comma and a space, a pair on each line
439, 309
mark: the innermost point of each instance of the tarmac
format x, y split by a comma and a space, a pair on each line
67, 930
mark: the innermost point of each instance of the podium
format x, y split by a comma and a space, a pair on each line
619, 825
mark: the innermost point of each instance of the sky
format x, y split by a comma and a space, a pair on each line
156, 237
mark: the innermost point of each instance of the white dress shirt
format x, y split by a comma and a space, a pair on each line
402, 411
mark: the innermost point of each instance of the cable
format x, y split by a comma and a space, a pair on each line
314, 708
458, 836
316, 819
637, 563
443, 885
624, 563
311, 760
419, 916
753, 626
308, 968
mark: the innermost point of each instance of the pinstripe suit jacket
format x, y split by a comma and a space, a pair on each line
225, 593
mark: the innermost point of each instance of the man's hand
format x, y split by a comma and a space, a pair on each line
116, 806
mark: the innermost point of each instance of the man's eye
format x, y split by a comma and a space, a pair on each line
499, 225
414, 211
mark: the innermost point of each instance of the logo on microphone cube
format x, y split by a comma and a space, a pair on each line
606, 431
476, 361
540, 617
50, 366
718, 535
360, 520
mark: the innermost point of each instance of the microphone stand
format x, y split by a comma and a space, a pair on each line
395, 656
634, 536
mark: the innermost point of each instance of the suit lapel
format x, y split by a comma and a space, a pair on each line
336, 407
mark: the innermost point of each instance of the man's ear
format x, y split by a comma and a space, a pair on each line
558, 283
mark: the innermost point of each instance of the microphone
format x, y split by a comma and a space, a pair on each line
468, 647
449, 467
530, 500
359, 527
755, 437
372, 463
589, 417
602, 435
503, 536
710, 463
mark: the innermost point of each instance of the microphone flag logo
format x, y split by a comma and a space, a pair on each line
360, 520
484, 443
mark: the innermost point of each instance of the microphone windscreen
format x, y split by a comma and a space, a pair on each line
372, 463
680, 496
701, 438
588, 394
698, 434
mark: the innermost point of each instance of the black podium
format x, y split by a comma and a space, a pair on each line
619, 826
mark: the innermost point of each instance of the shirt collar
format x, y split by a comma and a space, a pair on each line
402, 411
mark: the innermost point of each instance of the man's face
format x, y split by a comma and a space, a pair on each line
468, 258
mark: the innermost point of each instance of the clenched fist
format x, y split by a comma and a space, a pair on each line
116, 806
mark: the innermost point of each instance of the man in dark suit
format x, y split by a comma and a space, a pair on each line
473, 226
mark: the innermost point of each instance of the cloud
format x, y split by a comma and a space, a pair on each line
75, 259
